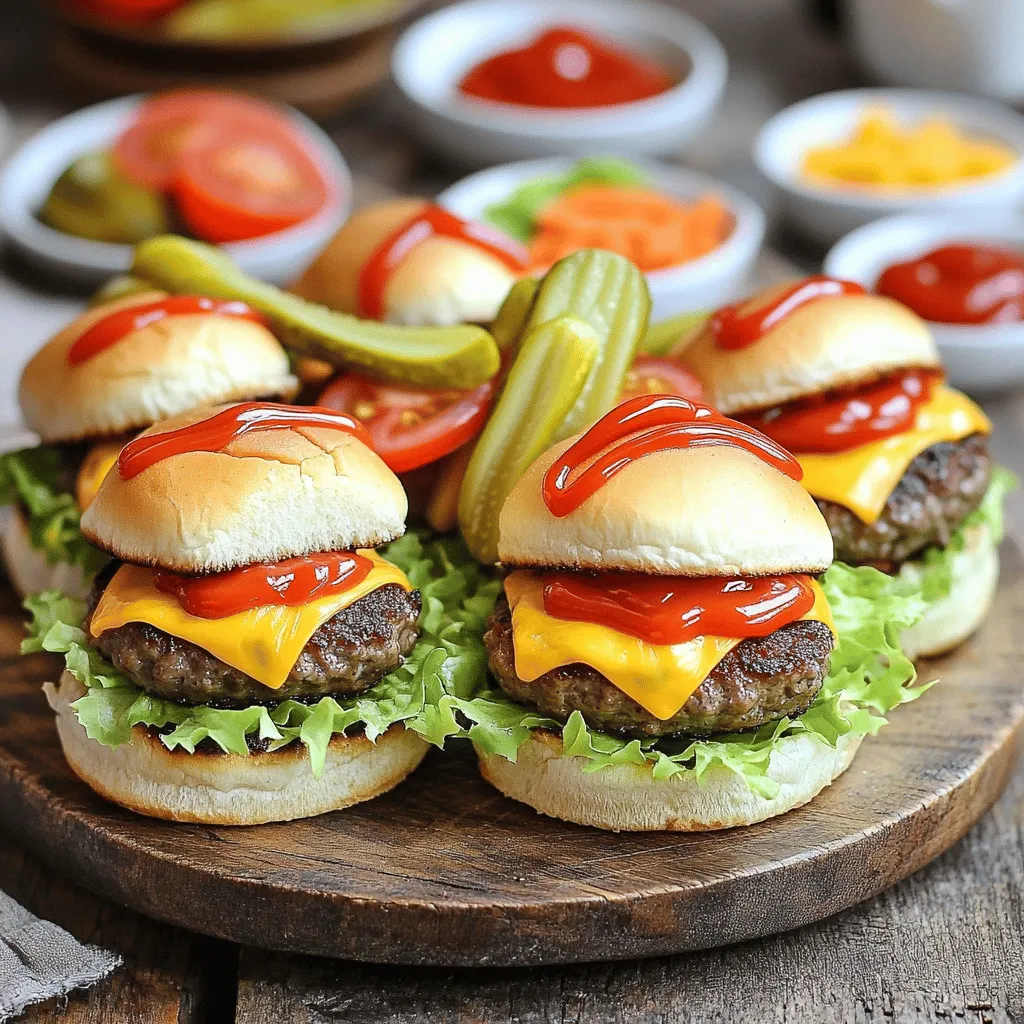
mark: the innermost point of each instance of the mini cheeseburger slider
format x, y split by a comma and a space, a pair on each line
898, 463
246, 610
661, 589
115, 369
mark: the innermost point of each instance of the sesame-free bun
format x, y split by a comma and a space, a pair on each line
27, 567
627, 797
441, 281
230, 789
165, 368
268, 495
832, 342
692, 512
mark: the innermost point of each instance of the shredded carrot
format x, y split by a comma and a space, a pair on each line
653, 230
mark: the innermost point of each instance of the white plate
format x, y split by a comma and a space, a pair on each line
435, 53
29, 175
703, 283
825, 213
979, 358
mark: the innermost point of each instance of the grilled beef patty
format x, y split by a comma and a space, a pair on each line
941, 487
347, 654
759, 680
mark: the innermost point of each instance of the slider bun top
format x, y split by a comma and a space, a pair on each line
441, 281
268, 495
833, 342
160, 370
690, 512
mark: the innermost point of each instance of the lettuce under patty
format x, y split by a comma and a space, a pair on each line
31, 478
448, 657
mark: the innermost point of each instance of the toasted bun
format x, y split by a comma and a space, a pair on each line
690, 512
160, 370
440, 281
950, 620
628, 798
830, 343
266, 496
228, 789
27, 567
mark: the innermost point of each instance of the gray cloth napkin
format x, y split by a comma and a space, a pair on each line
39, 961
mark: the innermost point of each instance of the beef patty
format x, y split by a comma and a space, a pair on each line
347, 654
941, 487
759, 680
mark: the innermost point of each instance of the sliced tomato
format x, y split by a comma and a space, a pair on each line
410, 427
655, 375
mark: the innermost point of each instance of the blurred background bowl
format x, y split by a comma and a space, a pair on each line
434, 54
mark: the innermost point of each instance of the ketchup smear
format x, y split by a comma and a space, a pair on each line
109, 330
734, 330
639, 427
839, 422
216, 432
294, 581
566, 68
960, 284
431, 220
675, 610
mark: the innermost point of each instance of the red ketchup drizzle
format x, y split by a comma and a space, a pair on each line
428, 222
109, 330
838, 423
215, 433
674, 609
960, 284
639, 427
733, 329
294, 581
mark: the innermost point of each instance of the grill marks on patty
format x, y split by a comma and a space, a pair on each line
758, 681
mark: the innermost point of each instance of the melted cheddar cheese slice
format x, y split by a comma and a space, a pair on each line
660, 678
264, 643
862, 479
99, 460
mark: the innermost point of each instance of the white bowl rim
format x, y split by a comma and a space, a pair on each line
24, 227
749, 219
987, 109
705, 80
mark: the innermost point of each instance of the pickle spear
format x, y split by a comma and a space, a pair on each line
433, 357
668, 335
544, 382
507, 327
610, 294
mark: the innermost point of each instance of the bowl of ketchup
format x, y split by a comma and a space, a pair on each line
964, 274
487, 81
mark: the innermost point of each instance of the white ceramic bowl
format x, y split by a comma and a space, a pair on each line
826, 213
435, 53
31, 171
979, 358
701, 284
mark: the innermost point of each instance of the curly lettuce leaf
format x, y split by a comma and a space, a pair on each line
449, 658
868, 676
516, 215
31, 478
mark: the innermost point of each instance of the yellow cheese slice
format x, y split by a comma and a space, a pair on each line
264, 643
659, 677
98, 461
862, 479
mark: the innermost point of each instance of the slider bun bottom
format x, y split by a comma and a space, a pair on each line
627, 798
950, 620
228, 789
27, 567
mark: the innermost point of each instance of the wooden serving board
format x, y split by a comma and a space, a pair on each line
445, 871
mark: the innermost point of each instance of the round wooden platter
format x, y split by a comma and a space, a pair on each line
443, 870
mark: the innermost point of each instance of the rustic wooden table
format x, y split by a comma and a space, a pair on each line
947, 944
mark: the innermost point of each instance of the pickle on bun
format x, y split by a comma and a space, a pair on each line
897, 461
115, 369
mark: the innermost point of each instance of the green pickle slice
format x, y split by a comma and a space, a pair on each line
433, 357
545, 381
507, 327
666, 335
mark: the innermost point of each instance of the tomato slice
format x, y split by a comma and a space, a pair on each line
411, 427
655, 375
